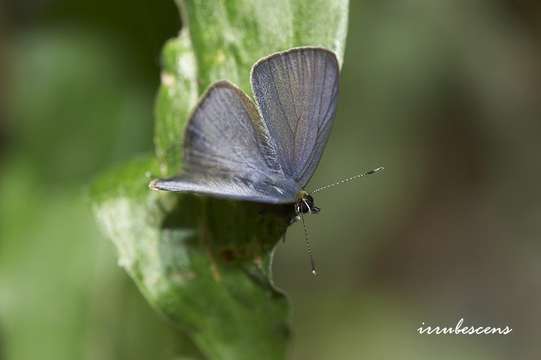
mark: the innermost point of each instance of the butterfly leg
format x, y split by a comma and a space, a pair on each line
297, 216
294, 219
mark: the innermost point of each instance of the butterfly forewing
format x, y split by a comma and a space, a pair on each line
231, 152
228, 152
296, 92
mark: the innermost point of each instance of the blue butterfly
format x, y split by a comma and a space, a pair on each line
265, 151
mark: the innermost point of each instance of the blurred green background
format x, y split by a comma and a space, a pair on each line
445, 94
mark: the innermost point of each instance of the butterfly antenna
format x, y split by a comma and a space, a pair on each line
308, 247
343, 181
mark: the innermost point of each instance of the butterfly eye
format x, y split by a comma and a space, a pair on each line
303, 207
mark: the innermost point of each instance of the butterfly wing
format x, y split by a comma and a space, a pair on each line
228, 153
235, 187
296, 92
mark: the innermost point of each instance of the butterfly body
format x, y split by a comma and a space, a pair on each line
264, 151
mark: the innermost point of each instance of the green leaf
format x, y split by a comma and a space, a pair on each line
230, 36
177, 96
205, 263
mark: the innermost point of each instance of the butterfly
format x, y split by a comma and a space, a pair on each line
264, 151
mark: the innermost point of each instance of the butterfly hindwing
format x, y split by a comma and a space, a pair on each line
235, 188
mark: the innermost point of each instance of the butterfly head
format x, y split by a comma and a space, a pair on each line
305, 204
